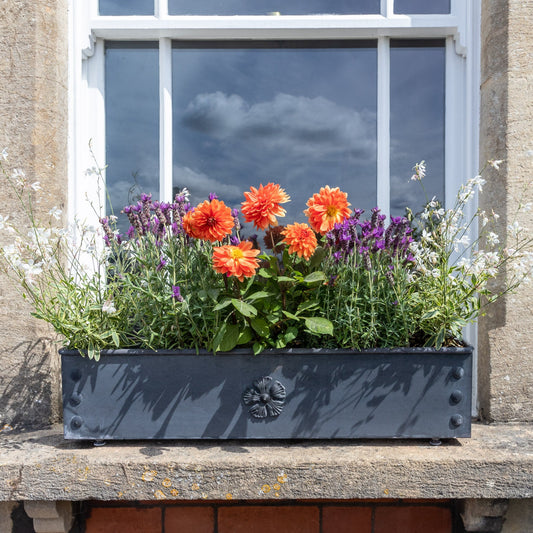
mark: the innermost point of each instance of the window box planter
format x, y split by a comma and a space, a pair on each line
280, 394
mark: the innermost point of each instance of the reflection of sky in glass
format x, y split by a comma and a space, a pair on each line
132, 121
422, 7
417, 121
126, 7
301, 117
263, 7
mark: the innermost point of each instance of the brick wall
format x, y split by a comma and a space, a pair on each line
358, 516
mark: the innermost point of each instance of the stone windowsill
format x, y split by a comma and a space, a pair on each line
497, 462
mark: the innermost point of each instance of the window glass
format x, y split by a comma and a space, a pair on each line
416, 121
421, 7
296, 114
129, 7
264, 7
132, 121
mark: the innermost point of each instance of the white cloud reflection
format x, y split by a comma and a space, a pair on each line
299, 126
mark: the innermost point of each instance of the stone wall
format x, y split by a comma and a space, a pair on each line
33, 127
505, 340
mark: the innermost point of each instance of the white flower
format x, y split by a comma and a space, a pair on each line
515, 229
3, 154
463, 241
3, 221
477, 181
36, 186
525, 207
427, 236
92, 171
492, 238
19, 177
113, 218
55, 212
495, 163
420, 171
435, 273
484, 218
31, 270
108, 307
12, 254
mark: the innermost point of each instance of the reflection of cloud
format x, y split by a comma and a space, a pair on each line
200, 185
305, 127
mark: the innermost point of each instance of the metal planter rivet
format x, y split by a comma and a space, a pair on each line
76, 422
456, 396
458, 372
456, 420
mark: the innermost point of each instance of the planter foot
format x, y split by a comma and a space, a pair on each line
99, 443
435, 442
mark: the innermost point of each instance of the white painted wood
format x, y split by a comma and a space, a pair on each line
165, 119
383, 126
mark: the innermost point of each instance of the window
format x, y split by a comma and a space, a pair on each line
216, 96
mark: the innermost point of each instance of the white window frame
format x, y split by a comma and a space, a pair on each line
88, 32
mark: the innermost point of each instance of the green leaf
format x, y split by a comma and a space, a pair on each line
315, 277
290, 315
306, 306
230, 338
244, 309
286, 279
430, 314
245, 336
319, 325
116, 339
317, 257
258, 295
222, 305
260, 325
258, 347
264, 273
290, 334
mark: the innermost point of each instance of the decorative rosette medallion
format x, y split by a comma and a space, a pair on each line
265, 397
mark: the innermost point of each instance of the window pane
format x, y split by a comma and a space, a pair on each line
132, 121
417, 121
129, 7
421, 7
264, 7
303, 117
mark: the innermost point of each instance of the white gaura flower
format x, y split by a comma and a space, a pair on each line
495, 163
493, 239
12, 254
36, 186
31, 270
525, 208
484, 218
435, 273
420, 171
463, 241
515, 229
108, 307
477, 181
4, 154
3, 221
55, 212
19, 177
427, 236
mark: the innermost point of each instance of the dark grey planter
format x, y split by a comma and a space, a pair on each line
281, 394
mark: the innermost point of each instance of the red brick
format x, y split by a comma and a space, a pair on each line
272, 519
113, 520
412, 519
189, 520
346, 520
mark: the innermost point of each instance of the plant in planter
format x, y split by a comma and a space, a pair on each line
343, 327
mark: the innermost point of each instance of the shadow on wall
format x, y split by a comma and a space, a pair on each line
26, 380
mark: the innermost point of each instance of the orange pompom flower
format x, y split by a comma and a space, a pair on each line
301, 240
210, 221
239, 261
262, 205
326, 208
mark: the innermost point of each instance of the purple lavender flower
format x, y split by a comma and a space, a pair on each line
176, 293
161, 264
234, 240
212, 196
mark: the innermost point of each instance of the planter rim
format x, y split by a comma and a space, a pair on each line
453, 350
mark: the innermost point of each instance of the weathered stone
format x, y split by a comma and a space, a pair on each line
497, 462
485, 516
519, 517
6, 524
33, 128
50, 517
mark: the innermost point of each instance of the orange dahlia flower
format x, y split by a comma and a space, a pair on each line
262, 205
210, 221
239, 261
326, 208
301, 240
